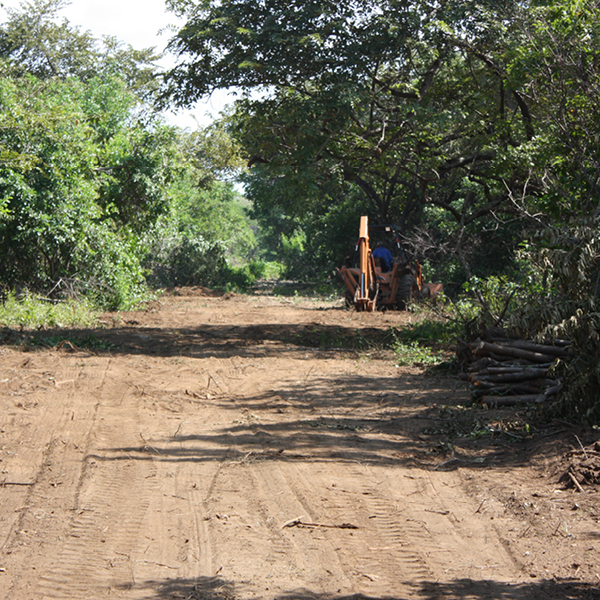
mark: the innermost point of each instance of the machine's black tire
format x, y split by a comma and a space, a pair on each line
404, 295
424, 293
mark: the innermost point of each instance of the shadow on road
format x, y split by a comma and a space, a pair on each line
207, 340
408, 420
389, 421
214, 588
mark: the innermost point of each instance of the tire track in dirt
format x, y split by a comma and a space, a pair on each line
398, 546
239, 505
59, 433
242, 512
312, 551
181, 441
99, 550
175, 474
275, 490
177, 539
380, 554
28, 404
375, 558
65, 439
93, 550
438, 499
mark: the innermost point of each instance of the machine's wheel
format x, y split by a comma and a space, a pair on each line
425, 292
405, 290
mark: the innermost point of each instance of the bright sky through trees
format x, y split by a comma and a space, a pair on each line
141, 23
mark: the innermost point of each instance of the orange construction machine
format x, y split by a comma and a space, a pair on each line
380, 280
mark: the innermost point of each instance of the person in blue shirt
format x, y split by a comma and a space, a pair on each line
385, 257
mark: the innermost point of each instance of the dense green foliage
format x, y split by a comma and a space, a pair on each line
64, 213
97, 194
564, 279
201, 238
35, 40
384, 107
34, 312
483, 110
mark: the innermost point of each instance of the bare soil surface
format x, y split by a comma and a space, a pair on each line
238, 447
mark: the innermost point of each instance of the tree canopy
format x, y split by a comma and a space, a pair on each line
411, 103
36, 40
452, 104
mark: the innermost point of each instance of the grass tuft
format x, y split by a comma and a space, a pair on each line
413, 354
33, 312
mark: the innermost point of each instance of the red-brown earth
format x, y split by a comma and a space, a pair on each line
237, 447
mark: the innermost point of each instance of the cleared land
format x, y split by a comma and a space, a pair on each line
252, 447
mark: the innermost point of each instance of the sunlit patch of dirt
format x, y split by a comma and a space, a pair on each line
242, 447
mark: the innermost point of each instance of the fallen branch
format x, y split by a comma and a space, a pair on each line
147, 446
577, 484
556, 351
211, 378
499, 350
512, 372
515, 369
511, 400
448, 462
514, 377
582, 448
17, 483
299, 523
507, 390
437, 512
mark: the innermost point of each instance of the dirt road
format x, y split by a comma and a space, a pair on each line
223, 448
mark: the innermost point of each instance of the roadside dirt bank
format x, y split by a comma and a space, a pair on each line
239, 447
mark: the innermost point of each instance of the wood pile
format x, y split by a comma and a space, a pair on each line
508, 372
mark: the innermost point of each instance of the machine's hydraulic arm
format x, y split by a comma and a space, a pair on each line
365, 296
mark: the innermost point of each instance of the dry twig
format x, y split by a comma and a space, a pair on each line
299, 523
577, 484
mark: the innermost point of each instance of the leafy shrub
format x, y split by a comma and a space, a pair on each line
267, 269
564, 269
179, 259
183, 260
31, 312
556, 296
74, 192
414, 354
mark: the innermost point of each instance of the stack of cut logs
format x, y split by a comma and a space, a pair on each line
507, 372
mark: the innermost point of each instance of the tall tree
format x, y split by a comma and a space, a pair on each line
32, 41
558, 66
410, 102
